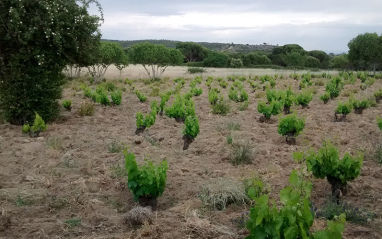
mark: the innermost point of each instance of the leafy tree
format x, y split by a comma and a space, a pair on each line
154, 57
295, 59
236, 63
37, 40
368, 48
192, 51
322, 57
255, 58
216, 59
340, 62
107, 54
312, 62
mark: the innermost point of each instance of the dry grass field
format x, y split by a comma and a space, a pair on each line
70, 182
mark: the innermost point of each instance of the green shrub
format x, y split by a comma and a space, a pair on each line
293, 219
87, 91
67, 104
191, 129
304, 98
181, 108
222, 107
213, 97
229, 139
147, 121
109, 86
273, 108
141, 96
198, 79
244, 106
223, 83
86, 109
360, 105
116, 97
326, 163
238, 84
146, 181
104, 98
37, 127
291, 126
193, 70
273, 95
233, 95
343, 108
287, 98
334, 87
196, 91
236, 63
254, 85
164, 99
379, 122
325, 97
378, 95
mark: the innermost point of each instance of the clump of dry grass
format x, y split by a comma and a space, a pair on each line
220, 192
139, 216
197, 227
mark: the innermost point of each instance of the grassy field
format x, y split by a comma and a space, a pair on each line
70, 182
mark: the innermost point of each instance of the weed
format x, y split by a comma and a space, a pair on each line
154, 91
244, 106
221, 192
222, 107
57, 203
86, 109
20, 202
115, 147
67, 104
241, 153
193, 70
260, 95
229, 139
118, 171
55, 143
71, 223
233, 126
116, 97
330, 209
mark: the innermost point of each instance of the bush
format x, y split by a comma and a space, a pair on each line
86, 109
222, 107
379, 122
241, 153
244, 106
164, 99
181, 108
291, 126
288, 98
325, 97
109, 86
147, 181
343, 108
67, 104
378, 95
116, 97
191, 129
104, 98
196, 91
37, 127
147, 121
334, 87
141, 96
273, 95
193, 70
213, 97
233, 95
360, 105
293, 219
223, 84
326, 163
273, 108
229, 139
304, 98
236, 63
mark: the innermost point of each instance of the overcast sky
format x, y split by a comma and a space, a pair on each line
322, 24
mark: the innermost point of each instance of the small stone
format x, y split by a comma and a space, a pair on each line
138, 139
40, 139
27, 141
161, 139
28, 178
184, 170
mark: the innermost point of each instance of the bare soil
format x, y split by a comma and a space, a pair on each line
67, 184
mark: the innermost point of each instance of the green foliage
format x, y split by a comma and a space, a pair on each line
293, 219
334, 87
86, 109
181, 108
291, 125
378, 95
213, 97
236, 63
115, 146
229, 139
109, 86
116, 97
196, 91
288, 98
38, 126
26, 128
326, 163
145, 121
154, 57
379, 122
222, 107
67, 104
273, 95
365, 49
192, 51
104, 98
223, 84
273, 108
37, 41
360, 105
304, 98
164, 99
244, 106
325, 97
216, 59
233, 126
191, 129
234, 96
141, 96
344, 108
147, 181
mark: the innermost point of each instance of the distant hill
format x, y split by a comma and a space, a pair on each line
224, 47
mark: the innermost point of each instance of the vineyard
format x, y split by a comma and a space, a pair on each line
275, 155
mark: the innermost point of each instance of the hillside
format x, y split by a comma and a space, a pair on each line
224, 47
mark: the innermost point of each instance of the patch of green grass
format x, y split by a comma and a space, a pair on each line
229, 139
74, 222
21, 202
233, 126
222, 107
